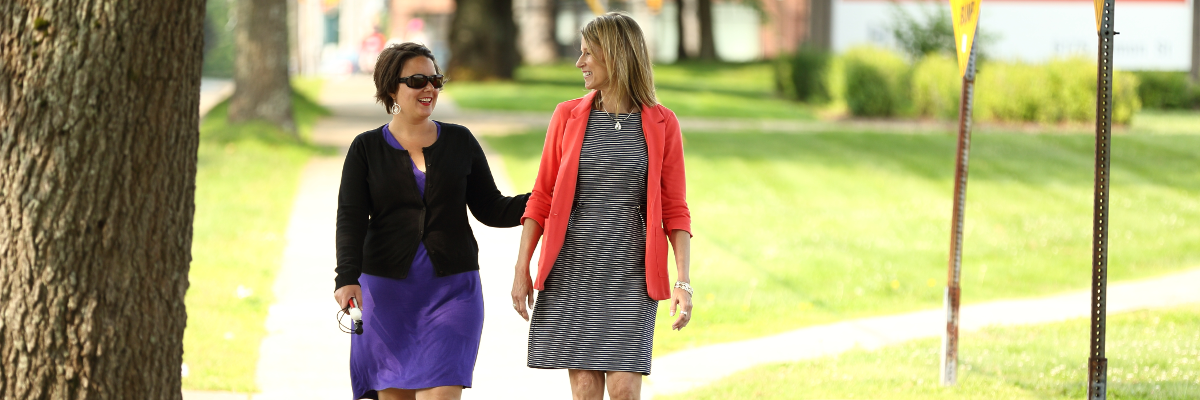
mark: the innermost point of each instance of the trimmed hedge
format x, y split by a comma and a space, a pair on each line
877, 82
1167, 90
802, 76
1058, 91
936, 87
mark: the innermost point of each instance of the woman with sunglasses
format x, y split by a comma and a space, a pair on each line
405, 250
608, 195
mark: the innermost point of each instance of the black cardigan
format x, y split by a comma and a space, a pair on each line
381, 215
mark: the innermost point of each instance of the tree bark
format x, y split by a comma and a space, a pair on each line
681, 48
483, 43
1196, 42
820, 24
262, 90
537, 42
708, 48
98, 140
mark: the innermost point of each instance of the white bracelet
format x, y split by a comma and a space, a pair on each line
685, 286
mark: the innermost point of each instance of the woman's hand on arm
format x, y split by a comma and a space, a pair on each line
522, 292
681, 300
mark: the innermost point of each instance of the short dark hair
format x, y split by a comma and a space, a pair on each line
390, 65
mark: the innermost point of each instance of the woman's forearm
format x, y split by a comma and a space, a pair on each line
681, 242
531, 232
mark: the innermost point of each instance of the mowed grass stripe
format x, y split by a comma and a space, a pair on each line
799, 230
1152, 354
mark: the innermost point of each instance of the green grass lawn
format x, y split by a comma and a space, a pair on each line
246, 181
1151, 355
688, 89
797, 230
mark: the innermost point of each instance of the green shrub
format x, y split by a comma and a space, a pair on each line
804, 75
809, 66
782, 67
936, 87
1125, 93
876, 82
1060, 91
1166, 90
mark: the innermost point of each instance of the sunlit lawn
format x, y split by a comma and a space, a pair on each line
245, 184
688, 89
1151, 355
804, 229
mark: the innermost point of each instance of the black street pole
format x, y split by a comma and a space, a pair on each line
1097, 363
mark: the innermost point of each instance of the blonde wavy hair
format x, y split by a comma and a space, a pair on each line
623, 48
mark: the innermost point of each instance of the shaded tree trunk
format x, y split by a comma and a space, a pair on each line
820, 24
98, 140
708, 48
483, 40
537, 31
681, 49
1196, 42
262, 90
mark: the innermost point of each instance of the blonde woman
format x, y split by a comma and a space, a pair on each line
609, 193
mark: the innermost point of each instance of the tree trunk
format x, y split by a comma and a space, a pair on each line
98, 140
537, 42
708, 48
262, 90
820, 24
1196, 42
679, 24
483, 43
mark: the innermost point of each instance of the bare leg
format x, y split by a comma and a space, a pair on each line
440, 393
397, 394
624, 385
586, 385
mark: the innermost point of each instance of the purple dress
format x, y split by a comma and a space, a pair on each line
419, 332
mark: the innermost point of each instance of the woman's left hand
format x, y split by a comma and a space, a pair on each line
681, 301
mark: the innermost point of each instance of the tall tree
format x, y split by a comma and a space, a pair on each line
1196, 42
262, 90
483, 40
536, 32
708, 48
98, 139
820, 24
681, 45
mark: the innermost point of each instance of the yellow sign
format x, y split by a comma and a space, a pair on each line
965, 14
1099, 10
655, 5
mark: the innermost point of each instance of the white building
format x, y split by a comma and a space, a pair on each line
1154, 34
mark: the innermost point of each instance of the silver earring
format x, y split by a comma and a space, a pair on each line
395, 108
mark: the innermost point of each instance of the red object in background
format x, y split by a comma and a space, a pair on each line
372, 45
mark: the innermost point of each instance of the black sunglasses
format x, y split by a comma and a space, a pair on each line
419, 81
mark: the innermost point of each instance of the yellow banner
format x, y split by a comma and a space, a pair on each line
1099, 10
965, 14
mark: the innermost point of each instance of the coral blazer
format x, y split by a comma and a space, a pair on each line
554, 191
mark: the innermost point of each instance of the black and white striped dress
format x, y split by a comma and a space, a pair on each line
594, 313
